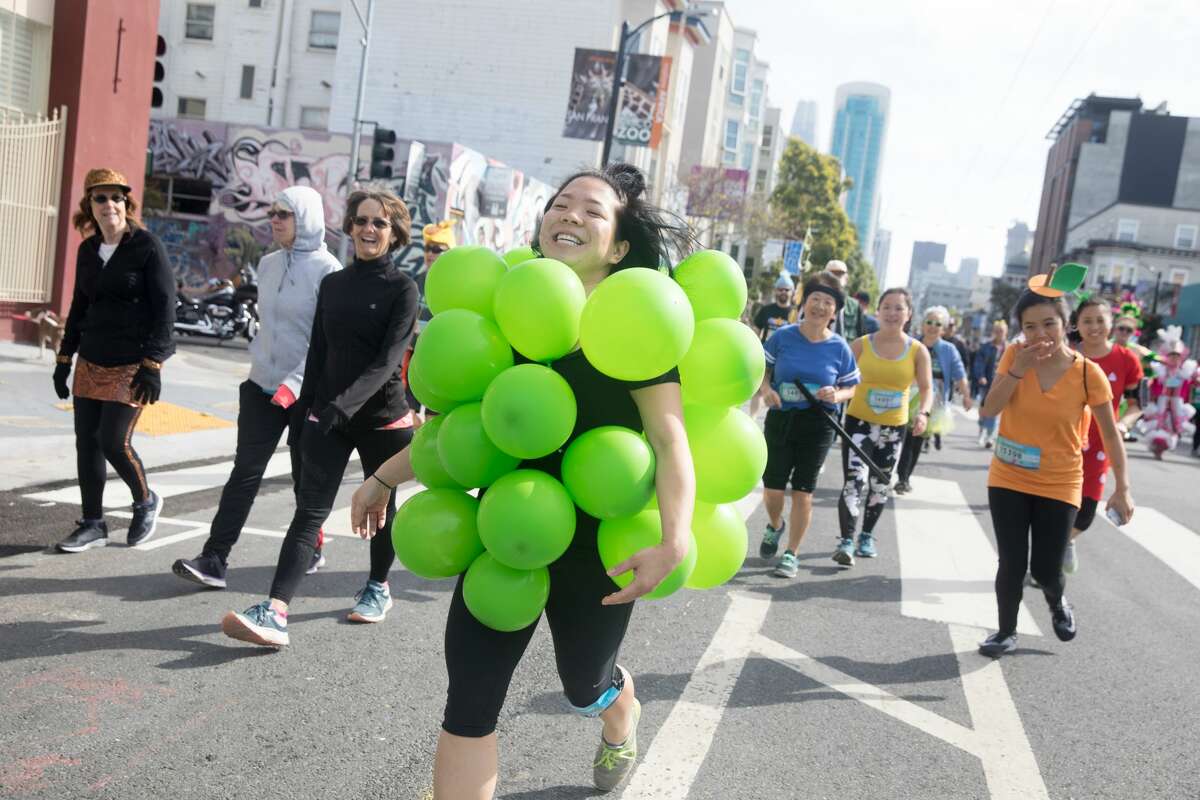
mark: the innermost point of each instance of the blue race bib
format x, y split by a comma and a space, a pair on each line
883, 400
1018, 455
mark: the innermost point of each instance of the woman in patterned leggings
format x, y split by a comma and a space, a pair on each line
889, 361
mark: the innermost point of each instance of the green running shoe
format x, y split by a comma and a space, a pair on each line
614, 762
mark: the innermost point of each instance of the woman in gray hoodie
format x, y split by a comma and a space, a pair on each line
288, 279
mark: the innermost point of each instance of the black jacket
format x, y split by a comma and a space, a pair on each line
122, 311
363, 324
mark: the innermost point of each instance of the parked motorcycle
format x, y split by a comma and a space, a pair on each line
221, 313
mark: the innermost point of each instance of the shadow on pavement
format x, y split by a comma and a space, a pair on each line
555, 793
651, 687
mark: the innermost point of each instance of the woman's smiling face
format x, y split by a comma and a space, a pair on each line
580, 228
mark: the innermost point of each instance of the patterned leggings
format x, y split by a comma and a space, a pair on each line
882, 444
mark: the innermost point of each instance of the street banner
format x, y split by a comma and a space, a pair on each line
591, 88
793, 251
643, 98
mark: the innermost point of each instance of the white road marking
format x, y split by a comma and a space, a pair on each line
679, 748
947, 562
168, 483
173, 538
1172, 543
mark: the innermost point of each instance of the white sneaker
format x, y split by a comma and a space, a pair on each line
983, 438
1070, 559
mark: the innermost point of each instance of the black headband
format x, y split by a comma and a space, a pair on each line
837, 296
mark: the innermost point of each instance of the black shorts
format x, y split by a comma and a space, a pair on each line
797, 443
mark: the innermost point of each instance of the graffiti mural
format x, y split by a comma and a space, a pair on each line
492, 204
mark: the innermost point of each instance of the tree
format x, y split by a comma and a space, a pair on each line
1004, 299
807, 196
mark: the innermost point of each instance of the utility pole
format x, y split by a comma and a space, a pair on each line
614, 102
356, 137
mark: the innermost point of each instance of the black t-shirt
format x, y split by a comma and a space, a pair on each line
599, 401
770, 318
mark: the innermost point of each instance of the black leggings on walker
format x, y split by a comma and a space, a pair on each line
103, 430
1020, 519
323, 464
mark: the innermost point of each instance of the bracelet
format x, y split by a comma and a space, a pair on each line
389, 488
62, 359
151, 364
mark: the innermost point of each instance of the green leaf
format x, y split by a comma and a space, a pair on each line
1068, 277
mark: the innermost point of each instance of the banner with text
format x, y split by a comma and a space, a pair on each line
643, 98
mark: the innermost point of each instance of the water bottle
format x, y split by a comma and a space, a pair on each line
1114, 517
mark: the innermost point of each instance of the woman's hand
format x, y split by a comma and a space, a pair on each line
771, 398
967, 402
368, 508
826, 394
1029, 356
649, 567
920, 424
1122, 501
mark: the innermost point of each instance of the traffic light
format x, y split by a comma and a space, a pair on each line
160, 71
382, 153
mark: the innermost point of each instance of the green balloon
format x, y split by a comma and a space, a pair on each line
426, 463
526, 519
529, 411
435, 534
636, 325
721, 540
725, 364
503, 598
538, 305
714, 283
426, 397
728, 451
457, 356
464, 277
518, 255
467, 454
610, 472
618, 539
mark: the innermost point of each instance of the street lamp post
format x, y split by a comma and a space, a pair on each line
1157, 284
614, 101
356, 137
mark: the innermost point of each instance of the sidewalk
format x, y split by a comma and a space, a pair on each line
194, 420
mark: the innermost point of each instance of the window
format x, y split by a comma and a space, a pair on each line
1185, 237
737, 100
323, 33
760, 180
731, 134
756, 94
199, 23
741, 66
1129, 275
768, 134
191, 108
1127, 230
1179, 277
314, 118
175, 195
247, 82
256, 3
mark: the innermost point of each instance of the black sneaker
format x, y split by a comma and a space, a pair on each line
145, 520
318, 561
902, 487
998, 644
205, 569
89, 534
1063, 619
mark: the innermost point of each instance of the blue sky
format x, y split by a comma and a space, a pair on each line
976, 85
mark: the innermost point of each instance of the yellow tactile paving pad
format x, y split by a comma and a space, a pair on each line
164, 419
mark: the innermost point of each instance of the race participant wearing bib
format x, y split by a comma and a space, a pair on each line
1035, 479
890, 362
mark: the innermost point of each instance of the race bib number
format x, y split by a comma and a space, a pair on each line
790, 392
1174, 382
883, 400
1018, 455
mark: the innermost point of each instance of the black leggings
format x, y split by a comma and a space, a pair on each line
1087, 513
1019, 518
881, 444
909, 455
323, 459
260, 424
587, 635
103, 430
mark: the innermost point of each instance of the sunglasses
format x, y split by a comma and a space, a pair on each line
374, 222
279, 213
435, 249
933, 322
100, 198
1123, 329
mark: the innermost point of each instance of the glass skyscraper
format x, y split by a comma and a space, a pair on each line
859, 134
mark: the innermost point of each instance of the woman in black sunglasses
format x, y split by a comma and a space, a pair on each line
354, 394
122, 314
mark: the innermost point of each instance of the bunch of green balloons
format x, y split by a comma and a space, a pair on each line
636, 325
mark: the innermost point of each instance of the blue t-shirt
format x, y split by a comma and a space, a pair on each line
793, 357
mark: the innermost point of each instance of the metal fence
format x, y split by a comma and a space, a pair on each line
31, 157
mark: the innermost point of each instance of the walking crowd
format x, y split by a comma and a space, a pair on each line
1056, 405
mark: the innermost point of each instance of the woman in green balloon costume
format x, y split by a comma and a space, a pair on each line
597, 224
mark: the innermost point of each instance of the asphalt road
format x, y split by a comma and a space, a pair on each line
116, 682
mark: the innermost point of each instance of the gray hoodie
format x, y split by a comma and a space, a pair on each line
287, 295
